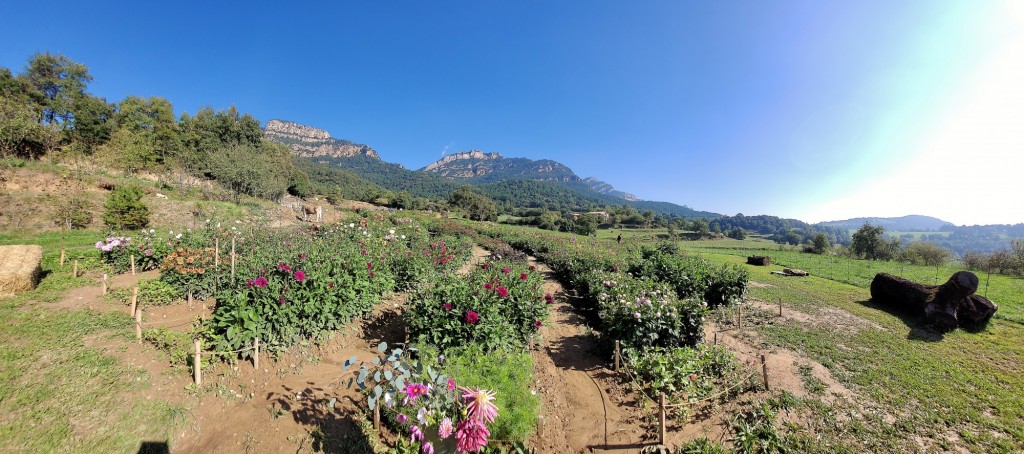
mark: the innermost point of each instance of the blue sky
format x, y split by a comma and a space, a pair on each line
814, 110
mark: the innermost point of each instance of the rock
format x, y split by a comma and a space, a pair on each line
313, 142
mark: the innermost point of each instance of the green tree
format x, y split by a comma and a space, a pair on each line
260, 171
820, 243
73, 213
129, 150
924, 253
21, 134
153, 117
57, 82
868, 242
476, 206
125, 209
93, 123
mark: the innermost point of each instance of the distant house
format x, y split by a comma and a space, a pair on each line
603, 215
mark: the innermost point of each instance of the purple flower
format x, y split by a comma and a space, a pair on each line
451, 385
417, 434
472, 317
447, 306
502, 291
445, 429
402, 419
260, 282
506, 270
427, 448
284, 267
300, 276
523, 277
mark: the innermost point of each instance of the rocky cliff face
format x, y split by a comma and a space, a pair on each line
605, 188
313, 142
446, 162
485, 167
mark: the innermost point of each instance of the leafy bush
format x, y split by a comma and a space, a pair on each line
152, 292
73, 213
149, 248
125, 209
694, 277
191, 271
510, 375
645, 313
696, 372
432, 408
498, 305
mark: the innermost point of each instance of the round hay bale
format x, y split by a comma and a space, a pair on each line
20, 268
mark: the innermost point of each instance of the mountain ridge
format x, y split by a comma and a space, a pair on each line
909, 223
311, 142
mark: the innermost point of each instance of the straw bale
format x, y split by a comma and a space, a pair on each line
20, 268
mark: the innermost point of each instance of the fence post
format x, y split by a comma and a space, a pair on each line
61, 257
138, 325
197, 373
661, 418
739, 317
256, 354
376, 416
104, 283
232, 258
780, 307
74, 269
135, 299
716, 338
764, 371
617, 355
190, 300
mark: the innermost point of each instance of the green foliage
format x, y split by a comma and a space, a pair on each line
754, 431
645, 313
129, 150
476, 206
695, 372
820, 243
700, 446
125, 209
56, 83
694, 277
263, 171
510, 376
869, 243
21, 134
925, 253
73, 213
498, 305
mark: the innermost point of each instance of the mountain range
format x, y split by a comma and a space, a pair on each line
516, 182
911, 223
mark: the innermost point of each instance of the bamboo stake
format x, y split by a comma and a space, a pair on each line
661, 418
216, 251
256, 354
197, 373
61, 257
716, 338
232, 258
74, 269
764, 371
617, 356
780, 307
104, 283
133, 264
190, 300
135, 299
376, 417
138, 325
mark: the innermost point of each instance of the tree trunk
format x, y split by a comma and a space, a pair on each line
947, 306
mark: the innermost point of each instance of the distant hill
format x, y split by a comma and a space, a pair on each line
911, 223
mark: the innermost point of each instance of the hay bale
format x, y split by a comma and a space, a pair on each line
20, 268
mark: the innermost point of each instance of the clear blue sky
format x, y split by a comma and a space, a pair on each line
814, 110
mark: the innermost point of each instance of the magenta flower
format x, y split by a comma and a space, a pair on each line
537, 323
413, 391
303, 256
444, 430
261, 282
371, 274
502, 291
550, 299
451, 384
281, 300
427, 448
484, 266
300, 276
417, 434
402, 419
363, 252
523, 276
284, 267
533, 268
447, 306
369, 266
472, 317
506, 270
488, 286
471, 435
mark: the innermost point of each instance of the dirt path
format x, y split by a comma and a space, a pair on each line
585, 408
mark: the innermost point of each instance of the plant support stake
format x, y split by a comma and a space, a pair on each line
138, 326
133, 264
232, 258
616, 356
764, 372
197, 373
104, 283
256, 354
135, 300
74, 269
661, 418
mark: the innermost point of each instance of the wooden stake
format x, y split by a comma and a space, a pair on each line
104, 283
216, 251
661, 418
716, 338
74, 269
135, 300
133, 264
138, 325
739, 317
256, 354
232, 258
617, 356
376, 417
195, 366
780, 307
764, 371
189, 300
62, 257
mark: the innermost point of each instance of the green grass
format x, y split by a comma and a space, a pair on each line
56, 394
961, 389
510, 375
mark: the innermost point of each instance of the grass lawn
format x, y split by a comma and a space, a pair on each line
56, 394
962, 389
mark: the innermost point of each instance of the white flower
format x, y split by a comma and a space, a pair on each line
207, 221
636, 315
177, 237
421, 416
403, 237
237, 221
350, 225
152, 230
392, 231
389, 400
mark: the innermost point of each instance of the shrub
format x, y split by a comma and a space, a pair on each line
498, 305
73, 213
694, 277
696, 372
644, 313
152, 292
191, 271
510, 376
125, 209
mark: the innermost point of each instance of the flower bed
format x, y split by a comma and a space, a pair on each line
643, 313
